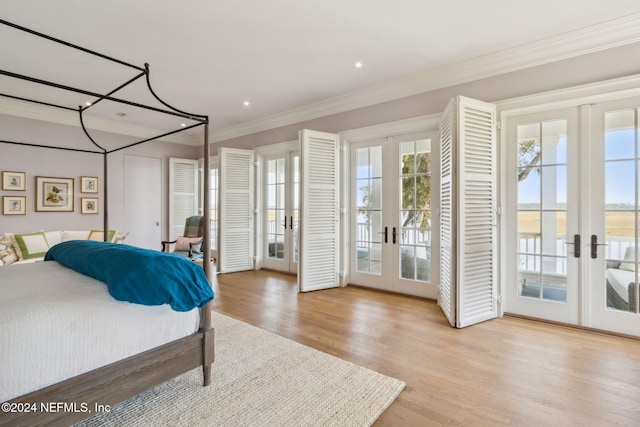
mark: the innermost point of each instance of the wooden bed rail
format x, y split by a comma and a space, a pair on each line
80, 397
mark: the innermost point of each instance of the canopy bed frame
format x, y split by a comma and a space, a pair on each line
119, 381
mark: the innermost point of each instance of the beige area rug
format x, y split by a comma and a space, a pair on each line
261, 379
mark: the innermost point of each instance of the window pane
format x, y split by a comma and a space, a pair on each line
529, 188
619, 188
554, 142
423, 160
407, 262
529, 232
554, 230
619, 138
554, 187
528, 145
376, 161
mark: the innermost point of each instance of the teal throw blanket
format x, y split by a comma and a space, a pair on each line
137, 275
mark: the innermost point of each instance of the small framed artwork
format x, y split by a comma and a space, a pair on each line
14, 181
14, 205
89, 205
89, 184
54, 194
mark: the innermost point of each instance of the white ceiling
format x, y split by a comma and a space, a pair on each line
209, 56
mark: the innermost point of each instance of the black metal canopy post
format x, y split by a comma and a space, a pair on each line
144, 71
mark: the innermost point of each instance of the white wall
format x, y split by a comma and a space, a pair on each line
37, 161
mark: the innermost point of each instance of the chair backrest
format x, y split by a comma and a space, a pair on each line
194, 226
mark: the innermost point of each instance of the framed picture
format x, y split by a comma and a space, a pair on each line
14, 181
89, 184
54, 194
89, 205
14, 205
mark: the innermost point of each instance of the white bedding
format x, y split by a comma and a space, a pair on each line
56, 323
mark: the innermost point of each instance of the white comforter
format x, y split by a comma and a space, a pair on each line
56, 323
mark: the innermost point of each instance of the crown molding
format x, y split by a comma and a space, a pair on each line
28, 110
606, 35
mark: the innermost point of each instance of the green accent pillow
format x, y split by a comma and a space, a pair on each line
32, 245
98, 235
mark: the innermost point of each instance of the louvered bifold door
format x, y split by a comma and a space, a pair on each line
468, 285
447, 291
319, 211
236, 249
183, 194
477, 192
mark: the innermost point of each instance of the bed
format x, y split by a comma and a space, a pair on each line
66, 378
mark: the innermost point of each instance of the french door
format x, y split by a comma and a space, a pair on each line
573, 189
614, 220
543, 171
393, 221
281, 208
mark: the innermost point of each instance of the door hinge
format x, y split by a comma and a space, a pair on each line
499, 299
498, 125
499, 210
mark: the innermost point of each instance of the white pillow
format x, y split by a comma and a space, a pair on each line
629, 255
75, 235
53, 237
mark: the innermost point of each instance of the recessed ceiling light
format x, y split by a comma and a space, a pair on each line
246, 103
358, 64
183, 124
87, 103
121, 114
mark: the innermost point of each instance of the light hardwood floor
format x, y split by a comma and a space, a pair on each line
506, 371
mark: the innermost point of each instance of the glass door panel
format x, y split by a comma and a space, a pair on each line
543, 197
415, 210
281, 201
368, 201
275, 208
621, 175
542, 204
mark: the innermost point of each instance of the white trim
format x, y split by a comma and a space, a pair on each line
397, 128
606, 35
278, 148
592, 93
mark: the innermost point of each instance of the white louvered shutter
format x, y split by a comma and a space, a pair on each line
447, 291
183, 194
473, 211
319, 211
236, 210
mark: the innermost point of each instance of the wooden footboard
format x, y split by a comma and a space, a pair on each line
80, 397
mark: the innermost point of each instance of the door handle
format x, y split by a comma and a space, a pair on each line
386, 233
285, 222
394, 235
290, 222
594, 246
576, 245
